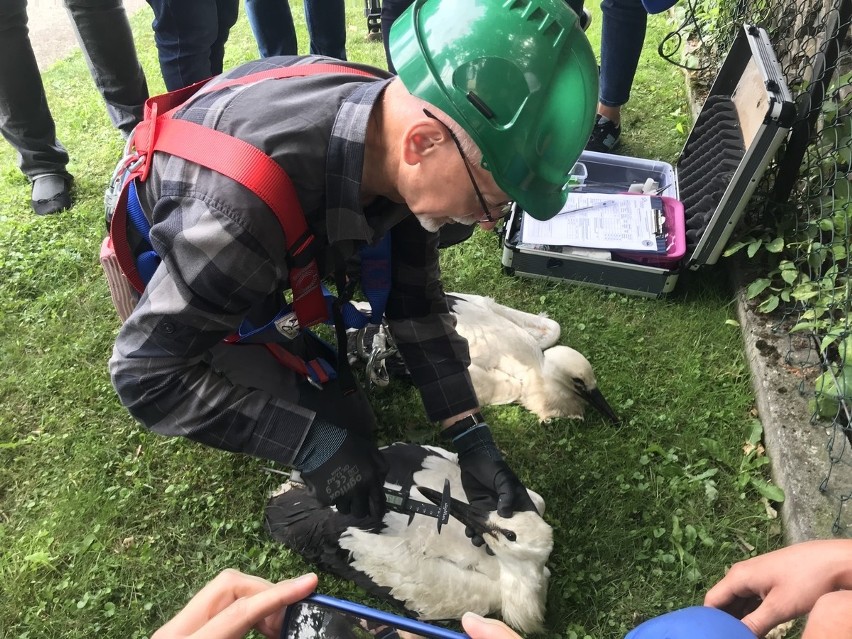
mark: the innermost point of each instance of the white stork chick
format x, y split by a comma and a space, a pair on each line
435, 576
515, 359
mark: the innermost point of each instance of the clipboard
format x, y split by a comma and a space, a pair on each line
591, 220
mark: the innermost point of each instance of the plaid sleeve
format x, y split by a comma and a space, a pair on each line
424, 327
214, 270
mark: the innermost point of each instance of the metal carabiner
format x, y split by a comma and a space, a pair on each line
377, 372
313, 382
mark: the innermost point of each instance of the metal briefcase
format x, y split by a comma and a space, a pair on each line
747, 114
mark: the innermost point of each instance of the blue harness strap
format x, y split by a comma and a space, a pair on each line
375, 277
375, 284
147, 261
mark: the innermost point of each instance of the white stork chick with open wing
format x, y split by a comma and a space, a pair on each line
435, 576
515, 358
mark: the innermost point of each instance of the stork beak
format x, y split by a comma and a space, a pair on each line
596, 399
470, 516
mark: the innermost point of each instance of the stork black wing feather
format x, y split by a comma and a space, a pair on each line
313, 531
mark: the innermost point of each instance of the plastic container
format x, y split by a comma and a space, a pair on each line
578, 176
697, 622
675, 226
607, 173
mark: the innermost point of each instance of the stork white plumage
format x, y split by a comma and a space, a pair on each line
435, 576
515, 359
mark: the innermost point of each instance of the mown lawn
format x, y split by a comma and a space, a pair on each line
106, 530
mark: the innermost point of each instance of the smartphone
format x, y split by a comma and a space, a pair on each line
320, 616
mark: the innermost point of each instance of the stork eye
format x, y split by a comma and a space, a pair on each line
509, 534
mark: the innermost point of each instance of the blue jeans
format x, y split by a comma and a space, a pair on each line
391, 10
25, 119
190, 37
272, 24
622, 39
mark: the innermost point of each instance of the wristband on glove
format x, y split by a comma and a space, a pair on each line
471, 435
321, 442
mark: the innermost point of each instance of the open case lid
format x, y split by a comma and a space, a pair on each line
743, 121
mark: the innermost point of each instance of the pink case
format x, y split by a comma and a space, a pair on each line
675, 227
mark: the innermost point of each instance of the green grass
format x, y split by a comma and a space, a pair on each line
106, 529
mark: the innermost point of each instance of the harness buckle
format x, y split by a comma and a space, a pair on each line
313, 382
288, 325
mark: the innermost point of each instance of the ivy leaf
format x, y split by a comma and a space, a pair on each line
769, 305
757, 287
737, 246
776, 245
753, 248
789, 272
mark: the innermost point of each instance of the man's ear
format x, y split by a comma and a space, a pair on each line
422, 138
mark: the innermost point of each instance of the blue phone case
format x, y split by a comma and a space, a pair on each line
403, 623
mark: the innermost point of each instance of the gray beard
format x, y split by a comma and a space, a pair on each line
433, 224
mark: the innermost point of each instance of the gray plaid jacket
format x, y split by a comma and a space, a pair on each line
223, 261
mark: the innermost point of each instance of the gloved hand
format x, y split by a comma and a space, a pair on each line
343, 469
488, 481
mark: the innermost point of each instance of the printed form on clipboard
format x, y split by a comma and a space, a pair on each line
603, 221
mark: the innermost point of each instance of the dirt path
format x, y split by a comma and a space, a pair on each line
51, 32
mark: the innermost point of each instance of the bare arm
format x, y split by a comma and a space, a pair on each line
782, 585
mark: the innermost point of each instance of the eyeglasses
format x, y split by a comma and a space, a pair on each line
501, 210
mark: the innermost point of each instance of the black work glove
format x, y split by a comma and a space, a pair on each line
343, 469
488, 481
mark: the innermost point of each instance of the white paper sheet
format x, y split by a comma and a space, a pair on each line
598, 220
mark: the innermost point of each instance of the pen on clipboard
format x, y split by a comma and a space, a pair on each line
596, 205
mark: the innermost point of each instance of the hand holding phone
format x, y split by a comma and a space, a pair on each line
212, 613
320, 616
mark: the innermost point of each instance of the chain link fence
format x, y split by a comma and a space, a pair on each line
799, 227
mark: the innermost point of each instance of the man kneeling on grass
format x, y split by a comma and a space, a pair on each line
493, 103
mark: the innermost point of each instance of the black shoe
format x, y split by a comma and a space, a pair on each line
585, 19
51, 193
605, 135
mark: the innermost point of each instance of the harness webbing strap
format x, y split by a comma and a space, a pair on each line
255, 170
241, 162
287, 72
251, 167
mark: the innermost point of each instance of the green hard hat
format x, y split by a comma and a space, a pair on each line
518, 75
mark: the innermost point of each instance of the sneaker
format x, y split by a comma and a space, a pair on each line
605, 135
585, 19
51, 193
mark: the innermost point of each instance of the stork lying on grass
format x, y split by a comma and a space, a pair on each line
515, 359
435, 576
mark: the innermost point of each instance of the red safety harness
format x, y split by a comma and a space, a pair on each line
241, 162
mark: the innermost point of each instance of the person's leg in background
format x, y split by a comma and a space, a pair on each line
622, 38
391, 10
25, 118
227, 12
103, 32
271, 23
189, 37
585, 16
327, 27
